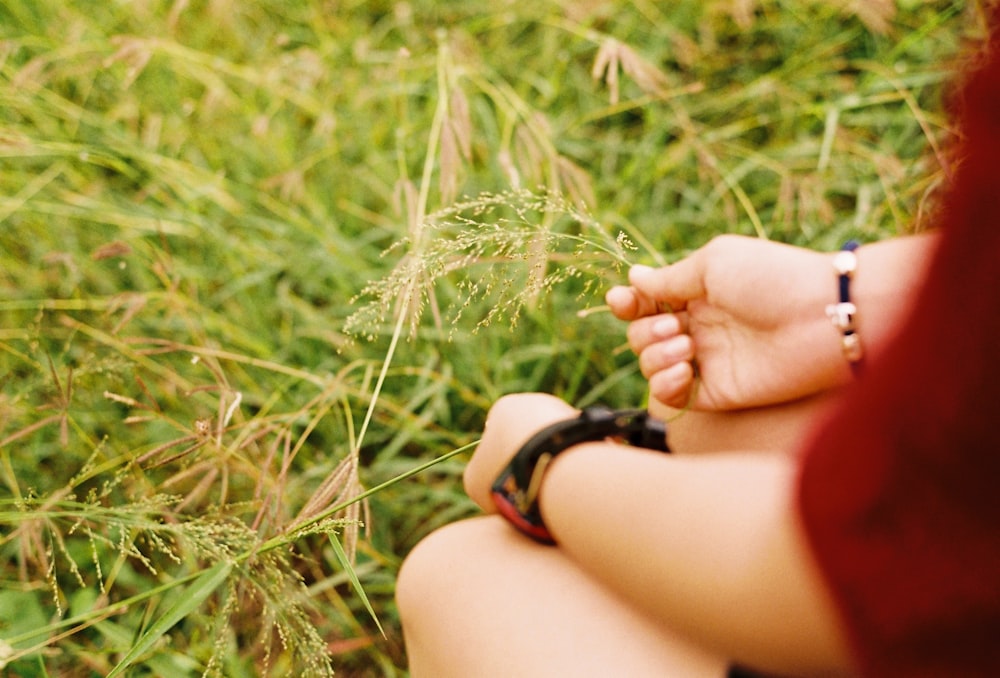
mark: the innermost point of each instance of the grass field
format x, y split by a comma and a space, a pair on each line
265, 265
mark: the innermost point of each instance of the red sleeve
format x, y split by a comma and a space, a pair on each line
899, 492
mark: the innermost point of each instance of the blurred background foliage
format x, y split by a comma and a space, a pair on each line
258, 256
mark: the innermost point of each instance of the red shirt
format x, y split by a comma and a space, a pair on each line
899, 492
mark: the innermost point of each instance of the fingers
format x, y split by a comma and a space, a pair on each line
666, 360
663, 355
656, 303
658, 290
672, 287
643, 332
665, 352
673, 386
627, 303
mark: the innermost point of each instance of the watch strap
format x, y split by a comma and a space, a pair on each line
515, 491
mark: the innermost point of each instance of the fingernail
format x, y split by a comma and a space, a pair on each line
677, 348
617, 296
666, 327
672, 383
677, 375
638, 272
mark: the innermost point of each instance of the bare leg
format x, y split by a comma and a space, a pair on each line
478, 599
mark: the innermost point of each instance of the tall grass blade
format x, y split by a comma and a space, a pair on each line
345, 563
185, 604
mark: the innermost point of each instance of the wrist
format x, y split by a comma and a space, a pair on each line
516, 490
808, 353
837, 334
880, 289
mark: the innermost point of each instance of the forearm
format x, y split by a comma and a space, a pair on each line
708, 545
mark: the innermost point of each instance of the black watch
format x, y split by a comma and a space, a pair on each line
515, 491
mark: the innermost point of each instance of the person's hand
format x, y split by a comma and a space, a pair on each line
511, 421
748, 312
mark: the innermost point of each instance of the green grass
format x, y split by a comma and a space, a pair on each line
258, 257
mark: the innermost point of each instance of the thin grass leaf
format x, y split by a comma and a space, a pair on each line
185, 604
345, 562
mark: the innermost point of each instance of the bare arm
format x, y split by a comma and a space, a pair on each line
708, 545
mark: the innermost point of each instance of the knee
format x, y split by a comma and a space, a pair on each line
420, 572
445, 591
423, 581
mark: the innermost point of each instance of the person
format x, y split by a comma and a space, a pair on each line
814, 519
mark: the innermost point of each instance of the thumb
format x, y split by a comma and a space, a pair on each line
673, 286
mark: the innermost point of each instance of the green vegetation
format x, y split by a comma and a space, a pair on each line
256, 257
